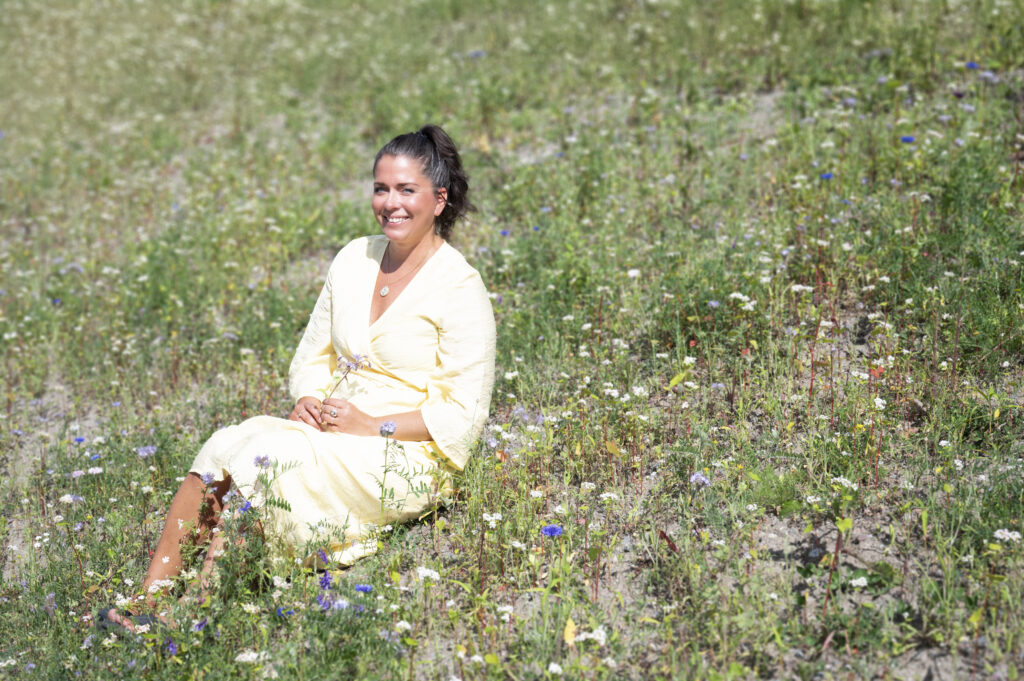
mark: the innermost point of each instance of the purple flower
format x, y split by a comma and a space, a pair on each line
504, 232
146, 451
79, 440
207, 478
281, 612
172, 647
713, 304
262, 460
387, 429
545, 209
476, 54
77, 474
699, 478
551, 530
364, 588
827, 176
245, 507
325, 601
972, 65
325, 581
323, 557
201, 623
907, 139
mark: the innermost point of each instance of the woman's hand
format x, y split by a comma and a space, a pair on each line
341, 416
307, 410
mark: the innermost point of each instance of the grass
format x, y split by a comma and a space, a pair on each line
757, 274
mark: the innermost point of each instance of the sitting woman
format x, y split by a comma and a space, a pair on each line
409, 323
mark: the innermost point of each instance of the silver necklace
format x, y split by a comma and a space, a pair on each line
386, 288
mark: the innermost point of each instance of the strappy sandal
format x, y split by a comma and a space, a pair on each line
104, 623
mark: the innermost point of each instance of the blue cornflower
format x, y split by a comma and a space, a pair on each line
325, 581
907, 139
972, 65
504, 232
827, 176
364, 588
245, 507
476, 54
387, 429
536, 228
262, 460
79, 440
699, 478
551, 530
545, 209
56, 301
281, 612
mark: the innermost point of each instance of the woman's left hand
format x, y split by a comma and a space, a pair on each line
341, 416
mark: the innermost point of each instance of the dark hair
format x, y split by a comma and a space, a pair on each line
432, 147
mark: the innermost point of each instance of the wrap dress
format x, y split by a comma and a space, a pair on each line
431, 350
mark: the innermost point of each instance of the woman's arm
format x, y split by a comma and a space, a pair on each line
350, 419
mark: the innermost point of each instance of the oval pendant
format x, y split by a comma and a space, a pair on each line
384, 291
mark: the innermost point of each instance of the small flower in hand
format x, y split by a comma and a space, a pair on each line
387, 429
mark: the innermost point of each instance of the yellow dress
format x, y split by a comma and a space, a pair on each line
431, 350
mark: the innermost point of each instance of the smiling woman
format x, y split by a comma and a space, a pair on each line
410, 321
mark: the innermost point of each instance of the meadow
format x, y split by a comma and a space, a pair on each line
757, 273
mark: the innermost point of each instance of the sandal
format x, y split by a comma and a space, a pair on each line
104, 623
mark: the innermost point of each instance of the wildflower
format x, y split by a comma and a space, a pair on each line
812, 499
859, 582
555, 669
633, 273
699, 478
70, 499
551, 530
172, 647
363, 588
537, 494
245, 507
492, 519
250, 657
751, 507
1007, 535
325, 581
95, 470
146, 451
843, 482
262, 461
281, 612
827, 176
972, 66
609, 496
599, 636
402, 625
387, 429
198, 626
907, 139
879, 404
713, 304
427, 573
689, 361
250, 608
518, 545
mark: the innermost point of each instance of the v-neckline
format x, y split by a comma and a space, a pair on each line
373, 283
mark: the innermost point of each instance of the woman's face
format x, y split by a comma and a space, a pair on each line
405, 202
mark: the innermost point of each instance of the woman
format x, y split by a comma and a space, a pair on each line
410, 321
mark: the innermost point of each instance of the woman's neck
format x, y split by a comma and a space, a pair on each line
398, 254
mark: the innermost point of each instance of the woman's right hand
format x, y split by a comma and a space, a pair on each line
307, 410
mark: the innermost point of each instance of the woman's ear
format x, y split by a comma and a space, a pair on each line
441, 201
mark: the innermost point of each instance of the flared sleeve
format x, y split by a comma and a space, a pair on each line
310, 371
459, 387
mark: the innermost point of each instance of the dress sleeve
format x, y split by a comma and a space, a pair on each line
459, 387
314, 360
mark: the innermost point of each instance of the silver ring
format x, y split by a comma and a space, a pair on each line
333, 412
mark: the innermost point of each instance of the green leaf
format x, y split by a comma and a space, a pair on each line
844, 524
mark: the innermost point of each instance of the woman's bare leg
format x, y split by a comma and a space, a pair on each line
195, 507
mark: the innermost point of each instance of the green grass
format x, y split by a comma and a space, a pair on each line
714, 248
